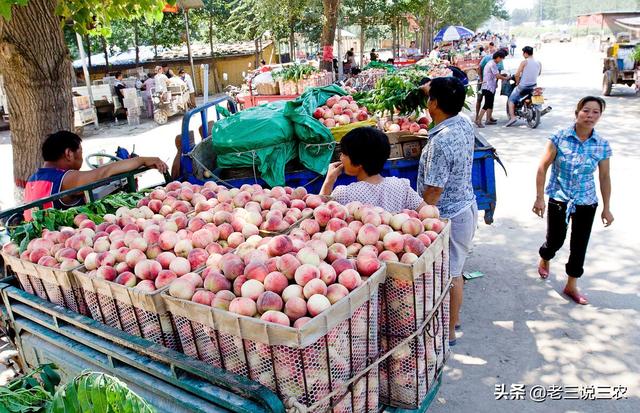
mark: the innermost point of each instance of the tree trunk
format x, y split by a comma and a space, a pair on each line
155, 42
330, 13
88, 40
106, 55
136, 41
214, 67
394, 30
292, 40
32, 54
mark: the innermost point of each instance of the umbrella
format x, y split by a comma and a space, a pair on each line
451, 33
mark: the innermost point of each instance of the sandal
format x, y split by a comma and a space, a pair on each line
576, 296
479, 125
491, 122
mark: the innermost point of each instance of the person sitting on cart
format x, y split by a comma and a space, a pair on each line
364, 153
373, 56
62, 153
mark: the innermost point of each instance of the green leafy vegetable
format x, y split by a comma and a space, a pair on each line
52, 219
294, 72
30, 393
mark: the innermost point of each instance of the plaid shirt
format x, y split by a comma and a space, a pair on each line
446, 162
572, 172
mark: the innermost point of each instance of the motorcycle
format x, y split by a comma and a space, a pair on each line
529, 105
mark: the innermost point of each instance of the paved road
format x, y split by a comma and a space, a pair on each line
520, 329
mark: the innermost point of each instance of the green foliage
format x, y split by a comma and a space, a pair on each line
30, 393
636, 54
52, 219
567, 10
396, 91
97, 392
294, 72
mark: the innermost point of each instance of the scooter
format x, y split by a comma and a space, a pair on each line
529, 105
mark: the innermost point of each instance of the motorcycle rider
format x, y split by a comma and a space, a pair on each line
526, 80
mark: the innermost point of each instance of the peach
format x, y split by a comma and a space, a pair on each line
367, 265
353, 249
267, 301
355, 226
425, 239
87, 223
214, 281
193, 278
322, 215
414, 245
153, 251
237, 285
256, 270
235, 239
249, 230
310, 226
436, 226
368, 250
197, 257
291, 291
345, 236
275, 282
182, 288
272, 263
252, 289
164, 278
288, 264
127, 278
368, 235
327, 273
165, 259
431, 234
122, 267
297, 245
65, 253
106, 258
101, 244
397, 220
384, 230
314, 286
388, 256
203, 297
276, 317
328, 237
145, 286
133, 257
408, 258
121, 254
300, 234
338, 211
106, 273
183, 248
180, 266
350, 279
147, 269
90, 261
319, 247
313, 201
202, 237
394, 242
83, 252
195, 224
37, 253
308, 255
47, 261
279, 245
168, 240
222, 299
429, 211
335, 224
336, 292
214, 248
336, 251
243, 306
295, 308
372, 218
342, 264
317, 304
299, 193
306, 273
412, 226
69, 264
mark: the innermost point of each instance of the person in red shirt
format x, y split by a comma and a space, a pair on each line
62, 153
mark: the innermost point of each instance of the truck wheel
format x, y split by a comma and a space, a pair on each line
607, 84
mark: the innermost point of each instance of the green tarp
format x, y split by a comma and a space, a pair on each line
316, 143
260, 137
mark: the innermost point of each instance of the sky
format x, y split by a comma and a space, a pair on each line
510, 5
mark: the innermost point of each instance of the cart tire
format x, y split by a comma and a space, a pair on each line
533, 117
607, 84
160, 116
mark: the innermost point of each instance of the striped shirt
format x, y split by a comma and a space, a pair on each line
572, 172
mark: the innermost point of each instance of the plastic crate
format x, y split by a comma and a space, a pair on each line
51, 284
306, 367
407, 299
137, 313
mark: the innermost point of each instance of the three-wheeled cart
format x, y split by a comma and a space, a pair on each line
175, 100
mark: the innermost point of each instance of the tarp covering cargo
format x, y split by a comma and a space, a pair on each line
316, 142
260, 137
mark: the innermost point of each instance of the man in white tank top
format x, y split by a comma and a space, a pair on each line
526, 80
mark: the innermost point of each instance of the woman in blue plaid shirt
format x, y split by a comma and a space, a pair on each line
575, 153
